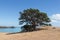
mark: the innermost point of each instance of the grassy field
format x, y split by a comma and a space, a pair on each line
46, 33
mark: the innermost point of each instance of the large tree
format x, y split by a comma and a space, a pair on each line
33, 17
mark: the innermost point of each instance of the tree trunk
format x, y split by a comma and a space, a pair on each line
34, 26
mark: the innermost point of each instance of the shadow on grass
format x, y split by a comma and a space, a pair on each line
22, 32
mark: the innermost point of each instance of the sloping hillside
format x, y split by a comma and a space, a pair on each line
46, 33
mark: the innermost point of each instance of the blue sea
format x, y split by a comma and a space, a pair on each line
10, 30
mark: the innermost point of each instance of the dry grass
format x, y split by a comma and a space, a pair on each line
47, 33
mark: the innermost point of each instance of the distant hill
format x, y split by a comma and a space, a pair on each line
7, 27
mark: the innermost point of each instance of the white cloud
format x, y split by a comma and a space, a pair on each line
55, 19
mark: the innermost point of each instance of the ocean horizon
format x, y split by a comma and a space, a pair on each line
10, 30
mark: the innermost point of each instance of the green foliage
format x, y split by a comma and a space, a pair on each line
27, 28
50, 24
33, 17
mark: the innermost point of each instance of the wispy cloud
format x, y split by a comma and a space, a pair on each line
55, 19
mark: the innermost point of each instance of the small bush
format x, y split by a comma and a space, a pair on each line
54, 28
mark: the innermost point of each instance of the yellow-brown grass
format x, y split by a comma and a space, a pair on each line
46, 33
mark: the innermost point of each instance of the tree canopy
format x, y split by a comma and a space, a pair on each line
33, 17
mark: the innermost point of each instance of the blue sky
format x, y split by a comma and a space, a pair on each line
9, 10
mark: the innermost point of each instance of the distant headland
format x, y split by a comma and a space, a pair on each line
7, 27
